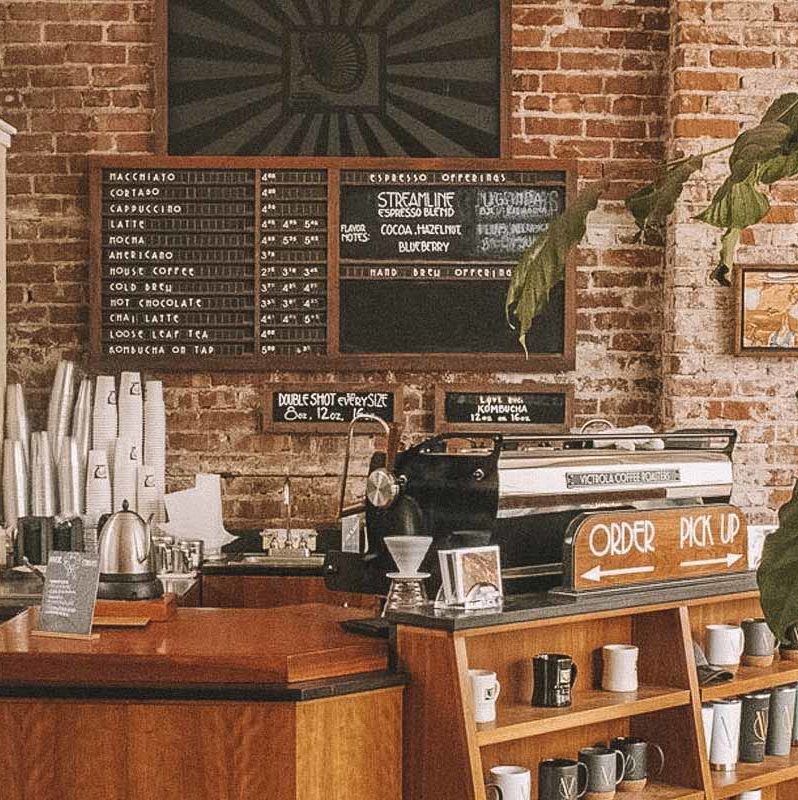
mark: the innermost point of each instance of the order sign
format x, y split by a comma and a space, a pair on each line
603, 550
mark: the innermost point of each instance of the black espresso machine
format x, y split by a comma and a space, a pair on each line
520, 492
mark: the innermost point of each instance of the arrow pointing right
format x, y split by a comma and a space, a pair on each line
729, 560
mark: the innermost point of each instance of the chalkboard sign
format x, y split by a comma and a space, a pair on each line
70, 593
524, 407
320, 264
335, 78
329, 408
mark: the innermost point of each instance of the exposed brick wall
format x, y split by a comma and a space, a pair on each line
730, 59
590, 81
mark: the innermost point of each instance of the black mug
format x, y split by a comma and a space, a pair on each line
754, 727
635, 754
558, 779
553, 676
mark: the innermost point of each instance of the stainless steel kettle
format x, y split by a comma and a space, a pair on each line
127, 558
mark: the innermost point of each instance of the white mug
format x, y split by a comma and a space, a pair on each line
619, 668
725, 645
725, 744
514, 783
485, 691
754, 794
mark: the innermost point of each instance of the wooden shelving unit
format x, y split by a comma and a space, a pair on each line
753, 679
588, 708
448, 755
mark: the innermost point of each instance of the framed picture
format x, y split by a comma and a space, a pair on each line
767, 310
334, 78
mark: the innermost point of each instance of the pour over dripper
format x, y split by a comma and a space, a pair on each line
408, 552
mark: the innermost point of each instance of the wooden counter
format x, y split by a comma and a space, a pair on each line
215, 704
199, 645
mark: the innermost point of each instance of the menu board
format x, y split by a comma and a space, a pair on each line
329, 408
69, 594
524, 407
308, 264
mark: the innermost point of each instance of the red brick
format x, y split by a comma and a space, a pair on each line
122, 121
29, 55
745, 59
28, 9
120, 76
129, 33
706, 81
96, 53
19, 32
685, 128
609, 18
73, 33
534, 59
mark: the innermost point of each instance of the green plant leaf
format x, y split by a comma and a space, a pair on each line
784, 109
542, 265
736, 205
778, 571
728, 247
780, 167
651, 205
756, 146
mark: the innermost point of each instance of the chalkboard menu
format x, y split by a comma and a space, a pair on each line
307, 264
329, 408
519, 408
69, 594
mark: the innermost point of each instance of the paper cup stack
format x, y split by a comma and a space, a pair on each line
126, 462
147, 496
131, 411
98, 484
15, 482
81, 433
69, 482
104, 419
155, 440
59, 410
17, 424
42, 494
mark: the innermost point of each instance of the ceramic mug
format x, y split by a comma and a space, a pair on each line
636, 755
619, 668
512, 782
553, 676
781, 714
725, 744
605, 770
725, 645
558, 779
759, 643
485, 691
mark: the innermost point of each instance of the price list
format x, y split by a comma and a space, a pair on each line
177, 269
293, 262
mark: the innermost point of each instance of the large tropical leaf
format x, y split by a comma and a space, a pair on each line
651, 205
542, 265
737, 205
784, 109
778, 571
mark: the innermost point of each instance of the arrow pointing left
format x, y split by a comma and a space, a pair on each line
597, 573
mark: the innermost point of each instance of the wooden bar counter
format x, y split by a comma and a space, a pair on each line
216, 704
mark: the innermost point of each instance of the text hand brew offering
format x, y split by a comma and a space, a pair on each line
301, 264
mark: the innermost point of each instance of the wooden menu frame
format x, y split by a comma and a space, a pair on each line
442, 425
161, 77
272, 426
740, 313
333, 359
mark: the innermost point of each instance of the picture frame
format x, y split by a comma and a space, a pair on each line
766, 310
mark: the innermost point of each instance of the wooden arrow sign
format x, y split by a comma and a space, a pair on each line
624, 548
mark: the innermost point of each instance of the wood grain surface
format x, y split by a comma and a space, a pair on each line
278, 645
339, 749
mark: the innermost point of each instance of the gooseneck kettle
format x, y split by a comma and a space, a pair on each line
127, 558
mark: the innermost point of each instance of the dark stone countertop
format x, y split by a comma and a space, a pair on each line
544, 605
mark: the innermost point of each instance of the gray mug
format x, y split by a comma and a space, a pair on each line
605, 768
780, 720
760, 643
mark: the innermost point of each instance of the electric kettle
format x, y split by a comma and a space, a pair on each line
127, 558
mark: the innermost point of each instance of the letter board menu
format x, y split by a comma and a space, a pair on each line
303, 264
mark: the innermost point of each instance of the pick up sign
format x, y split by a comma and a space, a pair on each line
605, 550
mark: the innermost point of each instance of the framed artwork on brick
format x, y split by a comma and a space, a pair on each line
374, 78
767, 310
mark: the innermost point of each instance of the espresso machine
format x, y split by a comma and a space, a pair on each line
521, 492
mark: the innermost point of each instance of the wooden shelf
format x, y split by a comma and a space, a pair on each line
589, 707
661, 791
751, 679
746, 777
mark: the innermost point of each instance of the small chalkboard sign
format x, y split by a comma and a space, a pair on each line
69, 596
329, 408
520, 408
